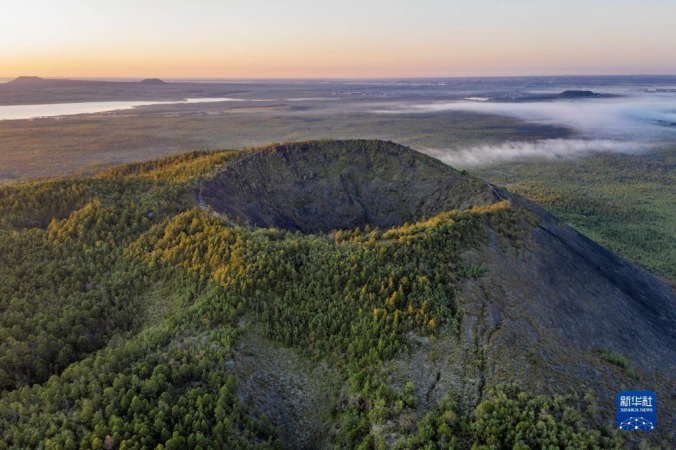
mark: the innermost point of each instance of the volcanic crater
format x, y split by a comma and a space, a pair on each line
322, 186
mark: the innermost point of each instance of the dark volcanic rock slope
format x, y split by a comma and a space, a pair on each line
558, 304
328, 185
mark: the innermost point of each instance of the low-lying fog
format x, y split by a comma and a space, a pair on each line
626, 124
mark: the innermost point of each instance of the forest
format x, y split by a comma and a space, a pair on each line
121, 303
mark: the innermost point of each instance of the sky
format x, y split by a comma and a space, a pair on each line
338, 39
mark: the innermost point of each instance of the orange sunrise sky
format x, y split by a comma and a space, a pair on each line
314, 39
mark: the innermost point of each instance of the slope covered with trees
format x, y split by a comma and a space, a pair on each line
127, 313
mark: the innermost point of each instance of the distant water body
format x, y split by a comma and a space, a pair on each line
18, 112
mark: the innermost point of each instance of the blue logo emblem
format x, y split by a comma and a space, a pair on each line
636, 410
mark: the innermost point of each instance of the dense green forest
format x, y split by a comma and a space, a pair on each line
121, 304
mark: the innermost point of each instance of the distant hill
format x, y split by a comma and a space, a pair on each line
152, 81
572, 94
26, 80
323, 294
38, 82
578, 94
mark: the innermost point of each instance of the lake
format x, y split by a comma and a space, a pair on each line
17, 112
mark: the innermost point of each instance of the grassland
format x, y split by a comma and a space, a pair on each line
33, 91
31, 149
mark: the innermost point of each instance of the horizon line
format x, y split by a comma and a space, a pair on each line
572, 75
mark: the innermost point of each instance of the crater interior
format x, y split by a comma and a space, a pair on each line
322, 186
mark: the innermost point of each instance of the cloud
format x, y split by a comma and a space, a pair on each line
544, 149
